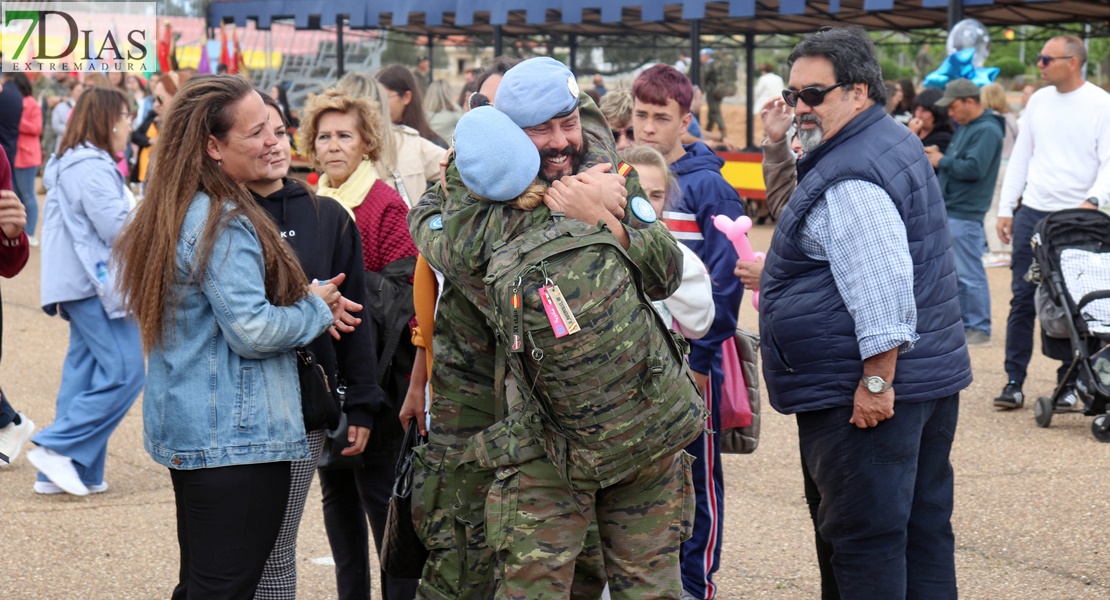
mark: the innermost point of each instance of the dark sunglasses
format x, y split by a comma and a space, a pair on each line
628, 132
812, 96
477, 100
1044, 60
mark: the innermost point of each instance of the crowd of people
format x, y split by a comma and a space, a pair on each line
519, 213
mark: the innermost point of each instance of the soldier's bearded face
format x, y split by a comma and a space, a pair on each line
560, 144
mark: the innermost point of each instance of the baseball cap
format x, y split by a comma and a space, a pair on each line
957, 89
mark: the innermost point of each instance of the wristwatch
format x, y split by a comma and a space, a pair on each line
876, 384
1092, 201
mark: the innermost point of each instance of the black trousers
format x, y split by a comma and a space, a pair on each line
227, 521
350, 497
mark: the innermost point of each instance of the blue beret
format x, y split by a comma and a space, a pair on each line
537, 90
495, 158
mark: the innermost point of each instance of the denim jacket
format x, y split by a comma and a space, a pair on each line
222, 387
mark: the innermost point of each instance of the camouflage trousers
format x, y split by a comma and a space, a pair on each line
538, 526
448, 512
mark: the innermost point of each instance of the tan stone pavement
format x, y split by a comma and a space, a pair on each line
1032, 505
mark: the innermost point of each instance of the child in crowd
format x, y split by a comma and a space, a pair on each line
690, 308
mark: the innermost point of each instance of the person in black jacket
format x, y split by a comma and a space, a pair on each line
326, 241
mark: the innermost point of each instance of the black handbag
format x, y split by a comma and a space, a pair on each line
403, 555
335, 441
317, 402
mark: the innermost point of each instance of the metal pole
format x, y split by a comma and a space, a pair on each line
431, 63
572, 41
749, 77
339, 45
695, 51
955, 12
498, 43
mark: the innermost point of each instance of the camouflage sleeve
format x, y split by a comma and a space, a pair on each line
426, 218
651, 246
421, 218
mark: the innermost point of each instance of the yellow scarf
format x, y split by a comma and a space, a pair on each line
352, 192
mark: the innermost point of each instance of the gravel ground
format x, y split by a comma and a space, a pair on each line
1029, 505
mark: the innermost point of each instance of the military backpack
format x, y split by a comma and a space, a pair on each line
591, 356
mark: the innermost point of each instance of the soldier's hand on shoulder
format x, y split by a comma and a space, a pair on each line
591, 196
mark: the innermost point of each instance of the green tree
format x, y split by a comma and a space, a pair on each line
400, 48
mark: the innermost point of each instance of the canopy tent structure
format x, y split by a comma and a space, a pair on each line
678, 18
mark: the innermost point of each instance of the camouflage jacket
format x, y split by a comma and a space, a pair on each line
449, 230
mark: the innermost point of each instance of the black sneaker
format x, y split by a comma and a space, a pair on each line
1068, 400
1011, 396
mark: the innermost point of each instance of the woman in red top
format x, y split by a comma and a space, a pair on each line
28, 155
15, 427
342, 136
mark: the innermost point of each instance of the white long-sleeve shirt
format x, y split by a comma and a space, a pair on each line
691, 306
1062, 153
769, 85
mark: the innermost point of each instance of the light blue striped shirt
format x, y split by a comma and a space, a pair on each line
857, 229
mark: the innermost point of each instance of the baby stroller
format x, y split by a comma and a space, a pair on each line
1071, 258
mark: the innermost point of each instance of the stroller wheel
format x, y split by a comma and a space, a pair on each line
1042, 411
1099, 429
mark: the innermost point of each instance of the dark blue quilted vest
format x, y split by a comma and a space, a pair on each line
811, 358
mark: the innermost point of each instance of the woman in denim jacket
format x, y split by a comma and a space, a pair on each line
221, 303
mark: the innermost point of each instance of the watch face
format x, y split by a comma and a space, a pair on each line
874, 385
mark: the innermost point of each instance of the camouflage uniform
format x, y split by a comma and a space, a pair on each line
713, 87
651, 509
463, 404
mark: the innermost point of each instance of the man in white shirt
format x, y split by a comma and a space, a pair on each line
768, 86
1061, 160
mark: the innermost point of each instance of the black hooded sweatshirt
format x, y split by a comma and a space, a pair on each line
325, 239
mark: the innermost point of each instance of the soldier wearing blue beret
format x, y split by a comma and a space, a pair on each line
578, 161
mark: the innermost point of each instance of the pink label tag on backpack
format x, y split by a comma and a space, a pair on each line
552, 298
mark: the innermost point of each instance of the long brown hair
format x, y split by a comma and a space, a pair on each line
147, 247
95, 114
398, 79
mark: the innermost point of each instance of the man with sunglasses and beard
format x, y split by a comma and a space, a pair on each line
861, 333
660, 115
1060, 160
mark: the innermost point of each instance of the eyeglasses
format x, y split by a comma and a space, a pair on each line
1044, 60
477, 100
128, 115
627, 132
812, 96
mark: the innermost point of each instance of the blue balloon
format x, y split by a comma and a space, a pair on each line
960, 65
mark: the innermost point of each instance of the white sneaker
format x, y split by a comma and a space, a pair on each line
58, 469
49, 487
33, 241
12, 438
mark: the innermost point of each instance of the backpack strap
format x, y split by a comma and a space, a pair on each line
499, 396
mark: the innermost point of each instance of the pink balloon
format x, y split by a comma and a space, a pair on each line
737, 232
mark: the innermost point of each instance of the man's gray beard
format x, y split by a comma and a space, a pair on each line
811, 138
